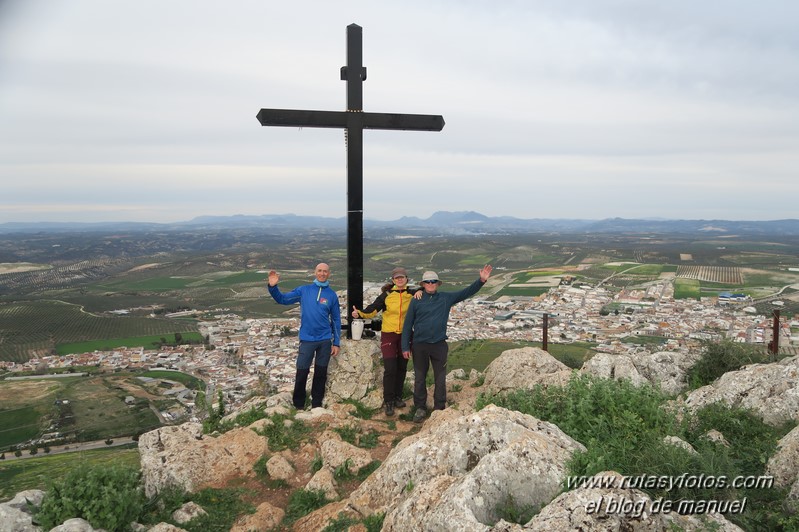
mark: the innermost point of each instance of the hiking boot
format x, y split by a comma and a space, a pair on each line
399, 403
419, 416
389, 409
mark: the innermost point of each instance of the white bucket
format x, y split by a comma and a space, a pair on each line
357, 329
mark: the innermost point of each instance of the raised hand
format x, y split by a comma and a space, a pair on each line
274, 277
355, 313
485, 273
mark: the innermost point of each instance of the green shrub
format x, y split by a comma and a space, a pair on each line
512, 512
107, 497
284, 436
719, 358
348, 433
302, 502
342, 523
623, 429
374, 522
361, 410
369, 440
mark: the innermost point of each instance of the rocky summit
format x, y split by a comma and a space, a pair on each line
453, 472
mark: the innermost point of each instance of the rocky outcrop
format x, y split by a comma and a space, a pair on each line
16, 513
455, 473
665, 369
356, 373
266, 517
187, 512
182, 456
524, 368
770, 390
784, 466
614, 508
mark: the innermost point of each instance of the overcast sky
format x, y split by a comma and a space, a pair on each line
145, 110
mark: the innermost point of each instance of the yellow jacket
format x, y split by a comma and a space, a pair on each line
394, 304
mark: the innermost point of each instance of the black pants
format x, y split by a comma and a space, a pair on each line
317, 387
395, 366
423, 356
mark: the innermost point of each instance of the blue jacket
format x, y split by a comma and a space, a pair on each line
320, 315
427, 317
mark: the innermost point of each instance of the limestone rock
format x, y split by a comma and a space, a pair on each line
717, 437
456, 375
266, 517
76, 524
316, 414
666, 369
181, 456
617, 367
356, 373
166, 527
784, 464
26, 498
16, 514
336, 453
771, 390
579, 510
522, 369
323, 480
322, 517
187, 512
454, 474
679, 442
279, 468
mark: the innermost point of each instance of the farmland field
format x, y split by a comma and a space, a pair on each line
148, 342
91, 407
38, 326
478, 354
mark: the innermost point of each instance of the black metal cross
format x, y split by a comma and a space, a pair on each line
354, 121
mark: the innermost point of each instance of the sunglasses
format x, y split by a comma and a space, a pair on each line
400, 277
429, 282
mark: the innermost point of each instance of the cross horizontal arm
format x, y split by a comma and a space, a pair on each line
349, 119
402, 121
299, 118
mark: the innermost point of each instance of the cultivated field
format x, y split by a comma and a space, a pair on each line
87, 408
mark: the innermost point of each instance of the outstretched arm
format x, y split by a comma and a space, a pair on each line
473, 288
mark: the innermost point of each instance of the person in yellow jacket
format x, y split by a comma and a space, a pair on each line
393, 301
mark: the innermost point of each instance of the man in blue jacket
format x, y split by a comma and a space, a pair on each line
427, 319
320, 331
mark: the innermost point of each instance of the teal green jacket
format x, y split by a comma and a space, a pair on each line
427, 317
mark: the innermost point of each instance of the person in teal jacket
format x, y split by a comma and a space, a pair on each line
320, 331
426, 324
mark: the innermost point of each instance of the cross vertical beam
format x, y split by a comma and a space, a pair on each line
353, 121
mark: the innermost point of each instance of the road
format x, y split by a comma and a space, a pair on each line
69, 448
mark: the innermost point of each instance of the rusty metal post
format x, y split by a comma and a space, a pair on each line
774, 345
545, 334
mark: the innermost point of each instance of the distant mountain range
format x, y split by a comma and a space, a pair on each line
463, 222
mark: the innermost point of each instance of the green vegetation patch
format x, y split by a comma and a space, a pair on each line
532, 291
189, 381
686, 288
35, 473
478, 354
644, 339
623, 429
19, 425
